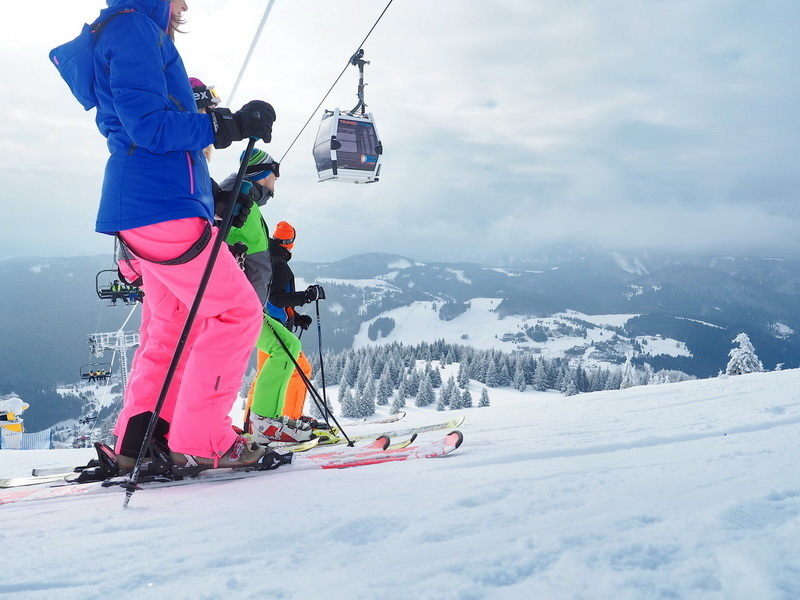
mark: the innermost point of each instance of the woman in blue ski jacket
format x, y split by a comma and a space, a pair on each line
157, 197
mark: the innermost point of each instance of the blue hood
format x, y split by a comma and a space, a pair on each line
158, 10
75, 59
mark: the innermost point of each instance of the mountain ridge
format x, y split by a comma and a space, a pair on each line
51, 306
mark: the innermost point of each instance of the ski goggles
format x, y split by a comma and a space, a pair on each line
285, 242
206, 96
274, 167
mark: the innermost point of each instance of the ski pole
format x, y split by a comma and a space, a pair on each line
224, 229
321, 362
312, 390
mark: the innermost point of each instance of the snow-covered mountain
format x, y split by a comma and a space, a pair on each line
687, 309
687, 490
672, 311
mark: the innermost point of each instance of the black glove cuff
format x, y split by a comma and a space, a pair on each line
226, 130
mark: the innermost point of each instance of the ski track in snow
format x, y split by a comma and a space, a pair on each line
687, 491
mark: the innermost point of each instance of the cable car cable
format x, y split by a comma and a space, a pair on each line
250, 51
349, 62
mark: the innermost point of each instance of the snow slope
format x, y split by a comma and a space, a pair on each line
688, 490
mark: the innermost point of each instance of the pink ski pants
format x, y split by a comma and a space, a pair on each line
215, 357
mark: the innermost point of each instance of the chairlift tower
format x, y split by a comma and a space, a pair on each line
117, 341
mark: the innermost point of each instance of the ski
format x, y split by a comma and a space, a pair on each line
321, 425
294, 446
379, 451
451, 424
58, 474
33, 480
358, 458
388, 419
331, 436
404, 443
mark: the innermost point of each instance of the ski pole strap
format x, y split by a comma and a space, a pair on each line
193, 252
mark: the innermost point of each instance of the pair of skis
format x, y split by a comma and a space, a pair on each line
381, 450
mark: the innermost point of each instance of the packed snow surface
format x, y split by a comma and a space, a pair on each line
688, 490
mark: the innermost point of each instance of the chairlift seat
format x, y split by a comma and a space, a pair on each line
101, 371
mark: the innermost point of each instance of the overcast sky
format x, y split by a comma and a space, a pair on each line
506, 124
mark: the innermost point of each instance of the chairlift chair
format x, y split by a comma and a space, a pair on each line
96, 371
106, 290
347, 147
104, 285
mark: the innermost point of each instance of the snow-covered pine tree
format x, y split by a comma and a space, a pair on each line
412, 383
444, 397
427, 369
540, 376
450, 357
614, 380
369, 392
397, 405
365, 364
385, 389
743, 359
599, 380
387, 376
571, 388
317, 407
582, 379
436, 378
364, 375
519, 378
463, 375
628, 375
349, 407
561, 378
342, 389
333, 367
402, 389
466, 399
452, 390
454, 394
350, 371
492, 377
528, 367
425, 395
505, 374
398, 369
484, 401
477, 368
365, 403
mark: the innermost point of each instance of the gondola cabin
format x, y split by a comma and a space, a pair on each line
348, 148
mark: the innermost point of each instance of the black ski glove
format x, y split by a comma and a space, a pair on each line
254, 120
314, 292
302, 321
244, 203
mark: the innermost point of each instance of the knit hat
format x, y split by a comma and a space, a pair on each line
284, 235
204, 95
260, 165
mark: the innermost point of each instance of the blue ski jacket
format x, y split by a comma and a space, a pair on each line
133, 75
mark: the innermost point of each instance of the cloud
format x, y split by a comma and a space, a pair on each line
510, 122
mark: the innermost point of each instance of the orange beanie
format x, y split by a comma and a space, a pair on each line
284, 235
